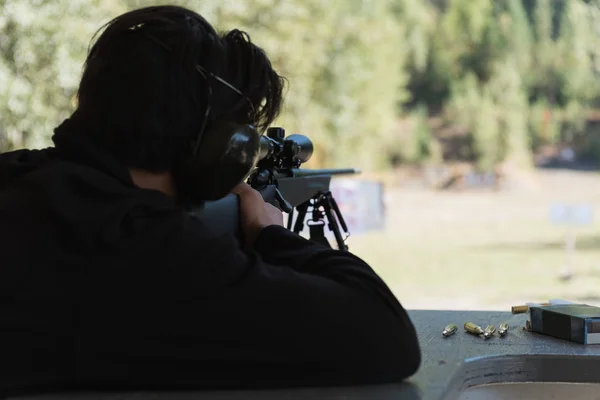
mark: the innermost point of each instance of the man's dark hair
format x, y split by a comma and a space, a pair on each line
145, 97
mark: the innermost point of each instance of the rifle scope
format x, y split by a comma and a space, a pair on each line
279, 151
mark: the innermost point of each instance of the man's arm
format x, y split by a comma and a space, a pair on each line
202, 312
279, 246
314, 316
284, 312
337, 294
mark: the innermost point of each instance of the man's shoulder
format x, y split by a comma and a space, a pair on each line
14, 164
30, 157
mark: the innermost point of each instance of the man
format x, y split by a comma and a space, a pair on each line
107, 282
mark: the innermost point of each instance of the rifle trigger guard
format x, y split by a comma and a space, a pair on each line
273, 196
284, 205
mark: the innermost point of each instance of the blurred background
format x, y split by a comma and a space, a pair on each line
481, 118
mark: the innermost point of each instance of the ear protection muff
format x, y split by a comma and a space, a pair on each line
223, 154
225, 157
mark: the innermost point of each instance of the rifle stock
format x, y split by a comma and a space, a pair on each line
300, 185
220, 217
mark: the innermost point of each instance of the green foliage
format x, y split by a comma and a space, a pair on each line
343, 60
41, 56
509, 57
486, 133
423, 136
543, 124
470, 37
516, 29
419, 148
513, 74
359, 87
415, 142
512, 113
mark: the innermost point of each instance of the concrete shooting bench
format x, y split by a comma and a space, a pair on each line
460, 366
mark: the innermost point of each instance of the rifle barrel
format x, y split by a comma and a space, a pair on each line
298, 173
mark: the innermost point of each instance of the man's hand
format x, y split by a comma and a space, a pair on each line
255, 213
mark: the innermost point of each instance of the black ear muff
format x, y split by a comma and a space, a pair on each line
226, 156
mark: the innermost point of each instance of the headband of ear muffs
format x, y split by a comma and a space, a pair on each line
227, 155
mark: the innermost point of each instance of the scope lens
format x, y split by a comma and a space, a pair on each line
266, 148
304, 145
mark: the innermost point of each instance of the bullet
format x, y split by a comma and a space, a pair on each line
489, 331
503, 330
519, 309
473, 329
525, 309
527, 326
450, 330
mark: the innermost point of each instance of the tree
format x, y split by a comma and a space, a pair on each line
427, 70
343, 61
40, 64
361, 84
512, 111
471, 38
530, 68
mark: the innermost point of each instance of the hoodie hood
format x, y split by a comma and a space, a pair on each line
72, 144
16, 164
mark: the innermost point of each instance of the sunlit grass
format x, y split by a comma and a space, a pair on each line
483, 250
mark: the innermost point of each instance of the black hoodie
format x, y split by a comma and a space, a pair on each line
104, 285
